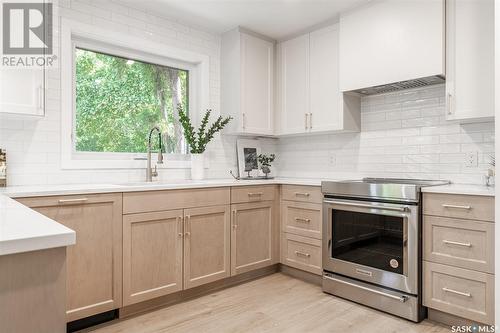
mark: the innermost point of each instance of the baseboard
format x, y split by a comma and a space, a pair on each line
184, 295
449, 319
301, 275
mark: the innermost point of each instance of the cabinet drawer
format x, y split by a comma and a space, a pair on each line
302, 253
302, 193
253, 193
302, 219
471, 207
151, 201
463, 243
458, 291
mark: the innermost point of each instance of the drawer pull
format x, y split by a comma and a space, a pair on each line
257, 194
303, 254
304, 194
299, 219
456, 206
456, 292
63, 201
457, 243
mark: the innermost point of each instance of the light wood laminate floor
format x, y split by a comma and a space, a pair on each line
276, 303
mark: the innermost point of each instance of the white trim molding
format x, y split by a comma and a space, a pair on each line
76, 33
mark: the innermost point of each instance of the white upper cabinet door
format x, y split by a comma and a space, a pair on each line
247, 82
391, 40
470, 59
325, 110
257, 68
22, 91
295, 85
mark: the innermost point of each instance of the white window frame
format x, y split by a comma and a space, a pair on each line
76, 34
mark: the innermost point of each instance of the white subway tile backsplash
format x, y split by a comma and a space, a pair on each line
414, 140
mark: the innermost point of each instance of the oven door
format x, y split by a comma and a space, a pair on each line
372, 241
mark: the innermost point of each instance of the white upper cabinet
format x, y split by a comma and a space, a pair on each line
247, 83
388, 41
325, 95
295, 85
470, 59
309, 82
22, 91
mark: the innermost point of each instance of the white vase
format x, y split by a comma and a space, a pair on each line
197, 166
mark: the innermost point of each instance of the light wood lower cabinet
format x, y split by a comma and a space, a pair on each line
301, 218
152, 255
206, 245
302, 253
94, 263
253, 236
461, 292
458, 238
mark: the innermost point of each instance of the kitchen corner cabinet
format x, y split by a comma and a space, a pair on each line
388, 41
152, 255
94, 263
310, 97
28, 100
470, 60
252, 236
206, 245
247, 82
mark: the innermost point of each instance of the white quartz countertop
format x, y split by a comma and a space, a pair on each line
68, 189
45, 190
464, 189
23, 229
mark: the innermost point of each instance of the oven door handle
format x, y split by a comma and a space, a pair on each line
352, 204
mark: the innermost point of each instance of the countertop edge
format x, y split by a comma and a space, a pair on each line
24, 230
461, 189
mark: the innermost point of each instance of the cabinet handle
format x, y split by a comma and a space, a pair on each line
63, 201
456, 206
234, 219
300, 219
243, 120
305, 121
456, 292
303, 254
449, 97
257, 194
456, 243
179, 226
310, 120
304, 194
186, 225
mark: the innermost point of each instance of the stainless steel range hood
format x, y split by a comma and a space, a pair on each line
402, 85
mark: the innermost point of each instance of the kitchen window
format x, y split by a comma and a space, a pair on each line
118, 100
115, 87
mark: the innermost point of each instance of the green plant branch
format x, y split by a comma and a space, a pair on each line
198, 140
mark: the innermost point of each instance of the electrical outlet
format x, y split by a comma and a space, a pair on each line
471, 159
332, 159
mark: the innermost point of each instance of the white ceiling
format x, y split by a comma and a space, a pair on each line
277, 19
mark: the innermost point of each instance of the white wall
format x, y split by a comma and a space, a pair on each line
404, 134
33, 146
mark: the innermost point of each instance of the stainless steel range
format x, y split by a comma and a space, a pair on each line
372, 243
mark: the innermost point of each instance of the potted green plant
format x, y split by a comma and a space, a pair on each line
198, 140
265, 163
